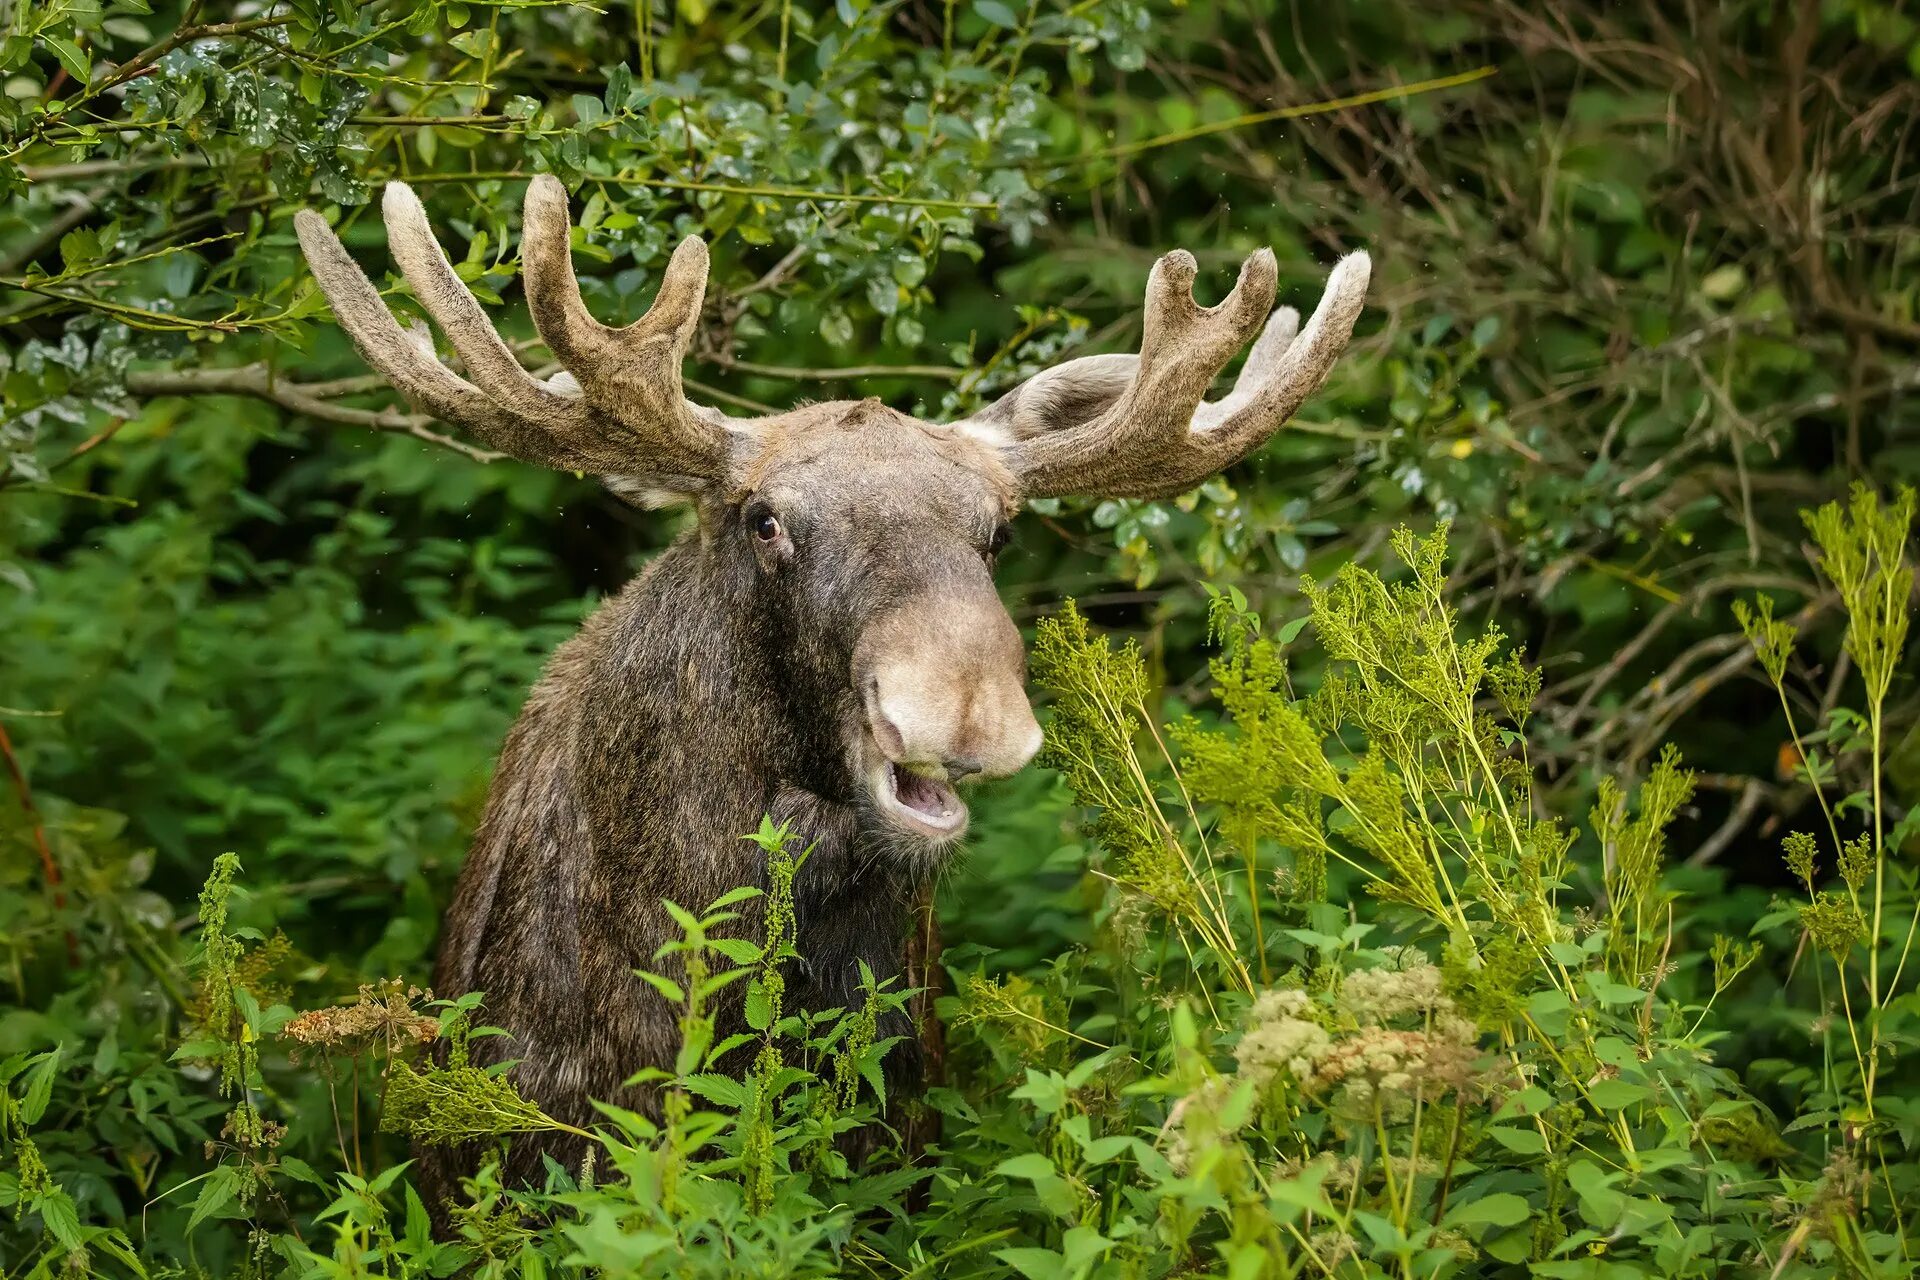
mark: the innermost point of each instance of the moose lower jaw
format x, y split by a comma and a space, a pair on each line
924, 806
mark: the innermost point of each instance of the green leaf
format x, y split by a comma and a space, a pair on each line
1502, 1209
724, 1090
997, 13
1034, 1264
216, 1193
477, 43
1525, 1142
295, 1167
759, 1010
1032, 1166
39, 1085
77, 61
1610, 993
731, 896
1613, 1093
1550, 1011
1530, 1101
1600, 1204
738, 950
589, 109
1046, 1090
61, 1218
664, 985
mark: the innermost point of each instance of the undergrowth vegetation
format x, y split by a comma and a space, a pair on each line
1500, 1063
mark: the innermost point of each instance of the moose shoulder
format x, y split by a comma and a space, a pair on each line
826, 646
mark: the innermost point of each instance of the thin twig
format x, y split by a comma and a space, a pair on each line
1743, 810
94, 168
140, 63
727, 397
80, 209
1296, 112
722, 188
48, 867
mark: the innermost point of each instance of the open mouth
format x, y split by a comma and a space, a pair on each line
924, 805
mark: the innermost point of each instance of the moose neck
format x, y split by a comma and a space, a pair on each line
705, 710
696, 718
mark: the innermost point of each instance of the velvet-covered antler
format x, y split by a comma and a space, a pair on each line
1139, 426
618, 409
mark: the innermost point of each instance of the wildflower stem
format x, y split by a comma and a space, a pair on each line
1618, 1122
1453, 1154
1879, 868
1853, 1031
1208, 885
1413, 1145
1819, 792
1893, 983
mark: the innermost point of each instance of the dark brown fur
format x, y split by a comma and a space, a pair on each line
709, 692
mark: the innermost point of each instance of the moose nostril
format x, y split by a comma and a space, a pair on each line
962, 767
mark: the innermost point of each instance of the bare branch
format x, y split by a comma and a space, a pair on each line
311, 399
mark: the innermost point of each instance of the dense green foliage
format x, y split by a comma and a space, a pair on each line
1332, 938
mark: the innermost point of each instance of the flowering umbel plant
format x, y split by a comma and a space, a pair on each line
1513, 1061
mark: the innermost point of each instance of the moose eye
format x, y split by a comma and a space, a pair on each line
1002, 534
766, 526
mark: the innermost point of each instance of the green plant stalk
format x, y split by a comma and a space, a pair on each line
1846, 1005
1876, 708
1217, 932
1879, 870
1413, 1150
1207, 885
1819, 792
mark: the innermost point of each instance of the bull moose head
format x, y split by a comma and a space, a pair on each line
867, 537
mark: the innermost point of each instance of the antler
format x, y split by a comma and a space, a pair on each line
620, 412
1159, 438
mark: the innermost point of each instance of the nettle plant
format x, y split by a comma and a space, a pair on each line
724, 1179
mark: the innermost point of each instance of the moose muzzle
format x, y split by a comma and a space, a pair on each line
941, 679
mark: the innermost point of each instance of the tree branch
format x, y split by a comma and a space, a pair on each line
312, 399
316, 399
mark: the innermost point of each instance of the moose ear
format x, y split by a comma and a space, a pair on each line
654, 490
1063, 396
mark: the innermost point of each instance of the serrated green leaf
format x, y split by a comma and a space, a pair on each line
39, 1089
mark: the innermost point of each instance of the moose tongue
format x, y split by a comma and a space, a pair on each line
922, 795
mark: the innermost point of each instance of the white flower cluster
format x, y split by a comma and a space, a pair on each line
1372, 1064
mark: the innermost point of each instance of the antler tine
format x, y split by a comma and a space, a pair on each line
408, 363
488, 359
1282, 370
1159, 438
633, 374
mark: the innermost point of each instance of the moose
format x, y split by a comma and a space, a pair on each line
824, 646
